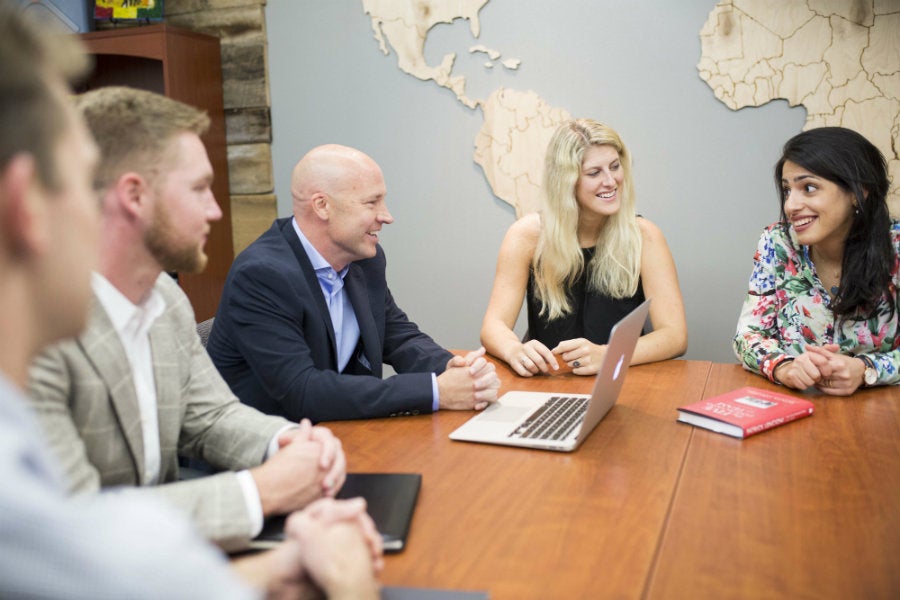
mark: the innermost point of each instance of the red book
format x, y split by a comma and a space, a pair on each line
745, 411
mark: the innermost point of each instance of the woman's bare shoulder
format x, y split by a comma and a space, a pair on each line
526, 230
650, 232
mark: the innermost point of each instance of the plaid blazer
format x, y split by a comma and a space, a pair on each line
85, 398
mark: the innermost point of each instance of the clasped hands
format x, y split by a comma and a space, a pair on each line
824, 368
331, 547
308, 465
469, 382
533, 357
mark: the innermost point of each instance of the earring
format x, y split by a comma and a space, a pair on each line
856, 210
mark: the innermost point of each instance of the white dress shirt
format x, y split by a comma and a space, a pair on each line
132, 323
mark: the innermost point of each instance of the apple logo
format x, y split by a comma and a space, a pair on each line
618, 367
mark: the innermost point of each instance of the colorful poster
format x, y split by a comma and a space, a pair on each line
151, 10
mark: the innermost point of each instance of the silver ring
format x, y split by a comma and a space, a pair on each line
576, 364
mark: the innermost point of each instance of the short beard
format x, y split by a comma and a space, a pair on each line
157, 239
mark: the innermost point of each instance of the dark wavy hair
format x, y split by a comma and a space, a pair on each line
846, 158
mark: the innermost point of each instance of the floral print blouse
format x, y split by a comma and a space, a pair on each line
787, 307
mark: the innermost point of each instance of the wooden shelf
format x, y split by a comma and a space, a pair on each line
186, 66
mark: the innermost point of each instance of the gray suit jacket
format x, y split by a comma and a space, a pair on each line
85, 398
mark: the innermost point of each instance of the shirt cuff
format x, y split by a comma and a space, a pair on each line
252, 501
435, 397
774, 363
251, 492
273, 443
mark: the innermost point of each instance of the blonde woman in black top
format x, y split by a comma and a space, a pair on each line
582, 263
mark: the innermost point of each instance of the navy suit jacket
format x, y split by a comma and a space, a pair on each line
273, 340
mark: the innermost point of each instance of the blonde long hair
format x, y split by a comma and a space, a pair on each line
558, 262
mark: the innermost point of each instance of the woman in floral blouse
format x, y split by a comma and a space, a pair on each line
822, 306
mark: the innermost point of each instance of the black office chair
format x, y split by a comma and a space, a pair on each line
203, 329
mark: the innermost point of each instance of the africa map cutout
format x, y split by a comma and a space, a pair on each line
839, 59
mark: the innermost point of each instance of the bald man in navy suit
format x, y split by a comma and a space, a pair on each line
307, 319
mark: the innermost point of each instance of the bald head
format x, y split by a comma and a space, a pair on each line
331, 169
339, 203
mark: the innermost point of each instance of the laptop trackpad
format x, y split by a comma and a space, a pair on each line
504, 414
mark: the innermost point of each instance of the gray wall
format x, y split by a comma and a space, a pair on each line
703, 173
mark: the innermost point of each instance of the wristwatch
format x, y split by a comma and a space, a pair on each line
870, 376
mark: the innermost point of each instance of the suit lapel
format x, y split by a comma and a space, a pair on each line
104, 350
312, 282
355, 285
168, 385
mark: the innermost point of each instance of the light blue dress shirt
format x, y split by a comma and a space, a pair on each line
110, 545
343, 317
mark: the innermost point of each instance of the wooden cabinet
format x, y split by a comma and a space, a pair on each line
183, 65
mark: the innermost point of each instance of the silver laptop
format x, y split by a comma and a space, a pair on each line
559, 421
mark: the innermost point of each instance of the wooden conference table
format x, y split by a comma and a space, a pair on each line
648, 507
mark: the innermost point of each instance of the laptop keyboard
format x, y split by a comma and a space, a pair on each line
554, 420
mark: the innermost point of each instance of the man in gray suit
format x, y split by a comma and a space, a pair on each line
136, 390
115, 546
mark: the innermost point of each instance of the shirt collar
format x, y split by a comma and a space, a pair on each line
319, 264
124, 314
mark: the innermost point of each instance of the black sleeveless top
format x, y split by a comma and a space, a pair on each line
592, 317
